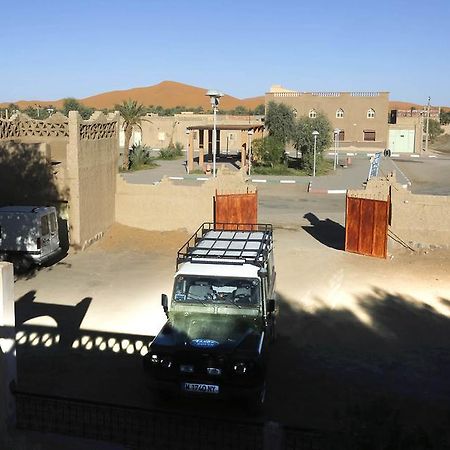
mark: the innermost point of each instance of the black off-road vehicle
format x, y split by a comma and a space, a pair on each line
221, 316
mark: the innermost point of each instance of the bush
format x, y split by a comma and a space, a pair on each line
172, 151
268, 151
139, 158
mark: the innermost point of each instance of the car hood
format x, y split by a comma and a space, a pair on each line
209, 332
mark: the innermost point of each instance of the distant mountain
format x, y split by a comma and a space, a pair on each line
167, 94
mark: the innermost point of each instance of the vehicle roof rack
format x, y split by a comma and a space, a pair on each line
228, 243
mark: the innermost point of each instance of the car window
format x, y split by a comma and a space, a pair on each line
44, 225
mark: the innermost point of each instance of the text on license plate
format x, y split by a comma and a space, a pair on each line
201, 388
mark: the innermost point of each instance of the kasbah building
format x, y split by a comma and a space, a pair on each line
363, 118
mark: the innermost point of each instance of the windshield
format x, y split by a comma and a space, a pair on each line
238, 292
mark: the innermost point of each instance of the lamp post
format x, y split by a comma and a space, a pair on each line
214, 97
188, 155
250, 134
336, 140
315, 133
428, 124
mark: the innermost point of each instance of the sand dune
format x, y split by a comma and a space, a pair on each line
169, 94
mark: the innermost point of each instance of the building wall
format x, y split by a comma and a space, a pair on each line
91, 172
158, 131
171, 206
355, 106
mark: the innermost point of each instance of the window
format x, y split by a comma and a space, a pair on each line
370, 114
312, 113
44, 226
340, 113
340, 136
295, 112
369, 135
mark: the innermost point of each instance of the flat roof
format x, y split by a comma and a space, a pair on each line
254, 127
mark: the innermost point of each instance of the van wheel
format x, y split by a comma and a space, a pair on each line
21, 264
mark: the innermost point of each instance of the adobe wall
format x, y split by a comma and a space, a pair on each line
91, 173
416, 220
421, 220
171, 206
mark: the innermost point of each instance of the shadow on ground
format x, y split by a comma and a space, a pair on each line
381, 384
385, 385
327, 232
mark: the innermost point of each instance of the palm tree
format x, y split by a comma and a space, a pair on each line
131, 112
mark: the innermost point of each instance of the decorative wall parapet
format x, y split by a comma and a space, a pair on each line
22, 126
99, 126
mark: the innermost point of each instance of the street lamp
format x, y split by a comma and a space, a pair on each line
214, 97
250, 134
336, 140
427, 124
188, 156
315, 133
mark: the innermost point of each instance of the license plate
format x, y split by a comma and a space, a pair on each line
201, 388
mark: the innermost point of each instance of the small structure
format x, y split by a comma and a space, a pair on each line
231, 140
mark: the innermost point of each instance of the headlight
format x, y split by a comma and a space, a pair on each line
154, 358
240, 368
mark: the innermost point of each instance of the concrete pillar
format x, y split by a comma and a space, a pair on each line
190, 156
8, 367
243, 148
73, 174
201, 157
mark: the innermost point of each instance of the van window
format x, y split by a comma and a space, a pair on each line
44, 225
53, 222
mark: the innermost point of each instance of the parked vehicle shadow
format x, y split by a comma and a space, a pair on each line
327, 232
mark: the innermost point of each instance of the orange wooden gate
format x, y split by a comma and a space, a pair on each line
366, 226
239, 209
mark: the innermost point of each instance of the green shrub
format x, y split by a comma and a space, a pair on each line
139, 158
268, 151
172, 151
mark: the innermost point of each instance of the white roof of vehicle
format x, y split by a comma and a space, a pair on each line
219, 270
25, 209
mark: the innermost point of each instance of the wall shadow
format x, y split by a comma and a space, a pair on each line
328, 232
382, 386
27, 178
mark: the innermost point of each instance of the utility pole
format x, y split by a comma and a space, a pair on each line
427, 125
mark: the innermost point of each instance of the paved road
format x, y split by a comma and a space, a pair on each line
427, 176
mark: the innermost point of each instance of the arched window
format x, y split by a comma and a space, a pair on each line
312, 113
294, 111
340, 113
370, 113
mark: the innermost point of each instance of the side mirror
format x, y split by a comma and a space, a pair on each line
262, 272
271, 306
165, 303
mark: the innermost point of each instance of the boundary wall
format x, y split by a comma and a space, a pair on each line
415, 220
170, 205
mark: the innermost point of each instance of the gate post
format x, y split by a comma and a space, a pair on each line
8, 367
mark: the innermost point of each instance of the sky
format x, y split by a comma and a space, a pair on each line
56, 49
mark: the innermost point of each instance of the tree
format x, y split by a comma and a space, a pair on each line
72, 104
268, 151
131, 112
280, 121
444, 117
259, 110
304, 140
434, 129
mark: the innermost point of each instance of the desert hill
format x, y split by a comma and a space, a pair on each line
167, 94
